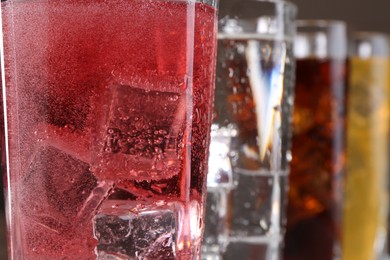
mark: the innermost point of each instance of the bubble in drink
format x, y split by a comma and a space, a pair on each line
141, 135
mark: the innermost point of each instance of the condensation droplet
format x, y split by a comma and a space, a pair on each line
266, 52
263, 224
231, 72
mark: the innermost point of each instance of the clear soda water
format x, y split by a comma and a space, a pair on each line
253, 101
108, 110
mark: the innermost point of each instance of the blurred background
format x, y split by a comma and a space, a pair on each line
359, 14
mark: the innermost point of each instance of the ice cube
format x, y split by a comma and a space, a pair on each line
69, 140
245, 250
321, 159
59, 196
216, 229
142, 133
125, 231
220, 166
56, 182
251, 203
42, 242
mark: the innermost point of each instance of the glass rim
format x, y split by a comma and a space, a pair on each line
370, 34
370, 44
321, 39
320, 23
212, 3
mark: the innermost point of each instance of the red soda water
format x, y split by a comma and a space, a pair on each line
108, 117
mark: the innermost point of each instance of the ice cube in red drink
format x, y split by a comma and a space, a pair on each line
59, 190
141, 135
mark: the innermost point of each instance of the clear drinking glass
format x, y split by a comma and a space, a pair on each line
366, 197
108, 110
249, 151
316, 181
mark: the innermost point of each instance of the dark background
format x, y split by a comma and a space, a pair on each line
373, 15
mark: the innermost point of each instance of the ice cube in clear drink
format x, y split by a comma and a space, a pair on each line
246, 250
219, 184
133, 231
251, 203
220, 166
216, 229
141, 134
